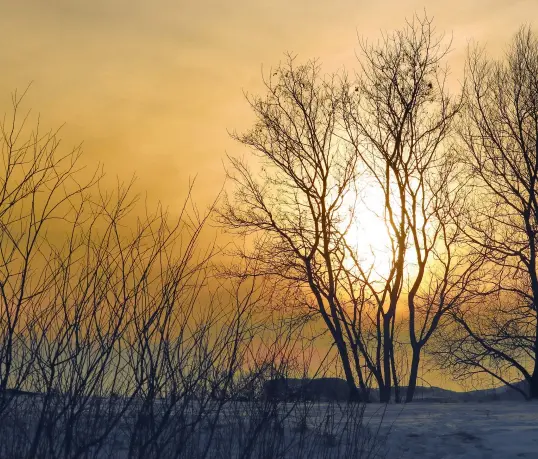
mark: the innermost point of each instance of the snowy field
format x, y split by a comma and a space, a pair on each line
421, 430
493, 430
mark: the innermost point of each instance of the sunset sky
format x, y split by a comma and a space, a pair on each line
153, 87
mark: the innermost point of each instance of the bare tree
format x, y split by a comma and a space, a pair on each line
119, 339
400, 122
322, 141
39, 186
497, 336
296, 212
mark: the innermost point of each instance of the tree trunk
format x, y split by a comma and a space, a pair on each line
533, 383
354, 395
395, 382
413, 375
364, 394
385, 391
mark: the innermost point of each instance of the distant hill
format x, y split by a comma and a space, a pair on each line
317, 389
336, 389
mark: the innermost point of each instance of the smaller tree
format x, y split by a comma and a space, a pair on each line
498, 334
297, 210
400, 122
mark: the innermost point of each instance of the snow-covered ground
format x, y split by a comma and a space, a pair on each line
421, 430
493, 430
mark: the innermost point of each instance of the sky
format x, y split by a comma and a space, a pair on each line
153, 88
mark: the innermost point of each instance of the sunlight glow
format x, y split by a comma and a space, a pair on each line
370, 237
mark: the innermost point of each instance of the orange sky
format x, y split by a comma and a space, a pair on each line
152, 86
